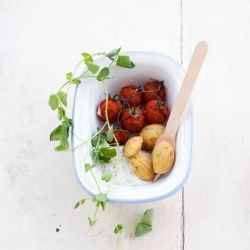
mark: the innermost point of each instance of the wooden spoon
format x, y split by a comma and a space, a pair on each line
184, 94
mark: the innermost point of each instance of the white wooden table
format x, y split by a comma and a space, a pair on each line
40, 41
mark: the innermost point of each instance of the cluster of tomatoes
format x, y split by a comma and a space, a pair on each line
125, 108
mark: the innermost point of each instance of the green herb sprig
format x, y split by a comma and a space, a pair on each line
102, 152
59, 102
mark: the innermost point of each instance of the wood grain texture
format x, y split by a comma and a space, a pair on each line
40, 43
43, 40
217, 201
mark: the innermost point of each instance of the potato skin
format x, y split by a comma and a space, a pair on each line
132, 146
150, 134
142, 167
163, 157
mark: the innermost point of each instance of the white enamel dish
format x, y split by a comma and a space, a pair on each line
129, 189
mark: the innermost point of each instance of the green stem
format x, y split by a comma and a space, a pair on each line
91, 169
75, 135
118, 149
134, 224
121, 241
110, 183
115, 181
111, 217
106, 106
96, 54
77, 67
69, 150
95, 213
85, 158
107, 123
116, 164
63, 85
95, 181
82, 76
112, 62
115, 224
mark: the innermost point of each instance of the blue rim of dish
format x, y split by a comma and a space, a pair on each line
151, 199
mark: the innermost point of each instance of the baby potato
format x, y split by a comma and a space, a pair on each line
132, 146
163, 157
142, 167
150, 134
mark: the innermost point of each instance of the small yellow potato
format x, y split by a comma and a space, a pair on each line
150, 134
142, 167
132, 146
163, 157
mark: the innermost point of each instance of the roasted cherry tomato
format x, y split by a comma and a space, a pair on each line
155, 111
132, 119
114, 108
133, 93
121, 136
158, 88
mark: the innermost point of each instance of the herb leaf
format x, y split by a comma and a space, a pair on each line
100, 53
53, 101
101, 197
67, 121
61, 147
61, 113
65, 129
91, 222
110, 134
62, 97
55, 135
69, 76
76, 81
113, 53
124, 61
87, 57
94, 141
118, 228
107, 176
142, 229
92, 67
64, 144
79, 203
108, 152
101, 203
147, 217
87, 167
103, 74
64, 135
102, 160
145, 224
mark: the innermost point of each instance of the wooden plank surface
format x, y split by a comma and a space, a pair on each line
40, 43
43, 40
217, 201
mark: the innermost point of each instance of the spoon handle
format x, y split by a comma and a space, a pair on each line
187, 86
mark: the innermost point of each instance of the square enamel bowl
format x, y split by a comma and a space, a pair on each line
128, 189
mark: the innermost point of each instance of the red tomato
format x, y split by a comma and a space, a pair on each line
114, 108
155, 112
132, 119
121, 136
158, 88
131, 92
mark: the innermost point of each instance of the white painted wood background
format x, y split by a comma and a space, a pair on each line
40, 41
